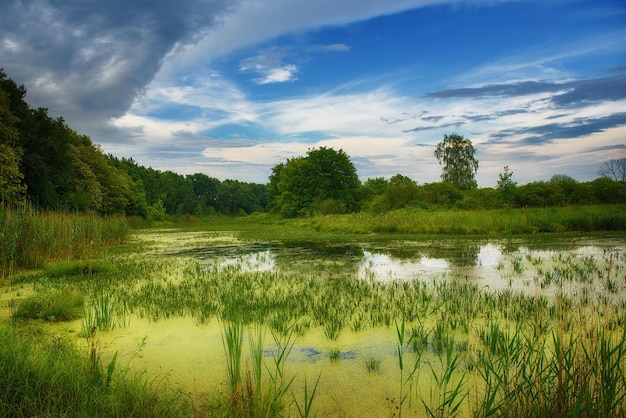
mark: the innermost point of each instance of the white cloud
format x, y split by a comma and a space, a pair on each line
279, 75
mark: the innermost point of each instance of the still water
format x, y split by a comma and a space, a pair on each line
494, 264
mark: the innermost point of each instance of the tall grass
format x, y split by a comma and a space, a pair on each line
474, 222
43, 375
29, 237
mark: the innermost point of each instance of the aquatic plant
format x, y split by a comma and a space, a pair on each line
406, 381
306, 408
372, 364
447, 395
232, 340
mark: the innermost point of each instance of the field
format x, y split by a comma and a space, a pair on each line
325, 316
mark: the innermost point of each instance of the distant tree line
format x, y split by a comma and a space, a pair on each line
46, 163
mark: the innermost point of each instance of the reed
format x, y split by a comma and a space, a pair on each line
406, 380
372, 364
447, 395
232, 340
102, 313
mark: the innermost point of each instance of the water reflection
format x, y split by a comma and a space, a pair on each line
493, 264
382, 266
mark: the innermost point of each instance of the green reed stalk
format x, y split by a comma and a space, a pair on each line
232, 340
305, 410
408, 381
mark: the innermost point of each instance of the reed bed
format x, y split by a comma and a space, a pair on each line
29, 237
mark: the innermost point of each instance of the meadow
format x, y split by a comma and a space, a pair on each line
171, 323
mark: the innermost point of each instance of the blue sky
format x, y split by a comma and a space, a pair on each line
231, 88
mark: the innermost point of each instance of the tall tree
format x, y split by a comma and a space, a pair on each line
456, 154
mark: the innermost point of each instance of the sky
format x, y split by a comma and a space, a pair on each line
232, 88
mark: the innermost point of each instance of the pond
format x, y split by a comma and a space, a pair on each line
465, 282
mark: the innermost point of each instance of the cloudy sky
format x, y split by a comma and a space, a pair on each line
231, 88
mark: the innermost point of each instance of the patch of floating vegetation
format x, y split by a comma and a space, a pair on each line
174, 241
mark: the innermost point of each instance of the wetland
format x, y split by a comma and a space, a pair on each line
401, 326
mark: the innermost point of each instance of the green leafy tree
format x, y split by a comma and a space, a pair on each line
11, 188
236, 197
606, 190
399, 193
442, 194
457, 155
46, 163
206, 188
325, 180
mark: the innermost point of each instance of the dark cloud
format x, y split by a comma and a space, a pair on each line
577, 128
90, 59
593, 91
433, 119
566, 94
617, 147
497, 90
430, 128
493, 115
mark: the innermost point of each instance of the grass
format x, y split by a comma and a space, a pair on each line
263, 392
373, 364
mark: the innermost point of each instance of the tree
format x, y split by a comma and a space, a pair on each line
11, 188
399, 193
325, 180
206, 188
614, 170
456, 154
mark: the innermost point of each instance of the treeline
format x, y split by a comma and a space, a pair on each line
44, 162
47, 164
380, 195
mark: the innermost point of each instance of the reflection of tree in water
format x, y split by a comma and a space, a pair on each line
458, 253
301, 255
